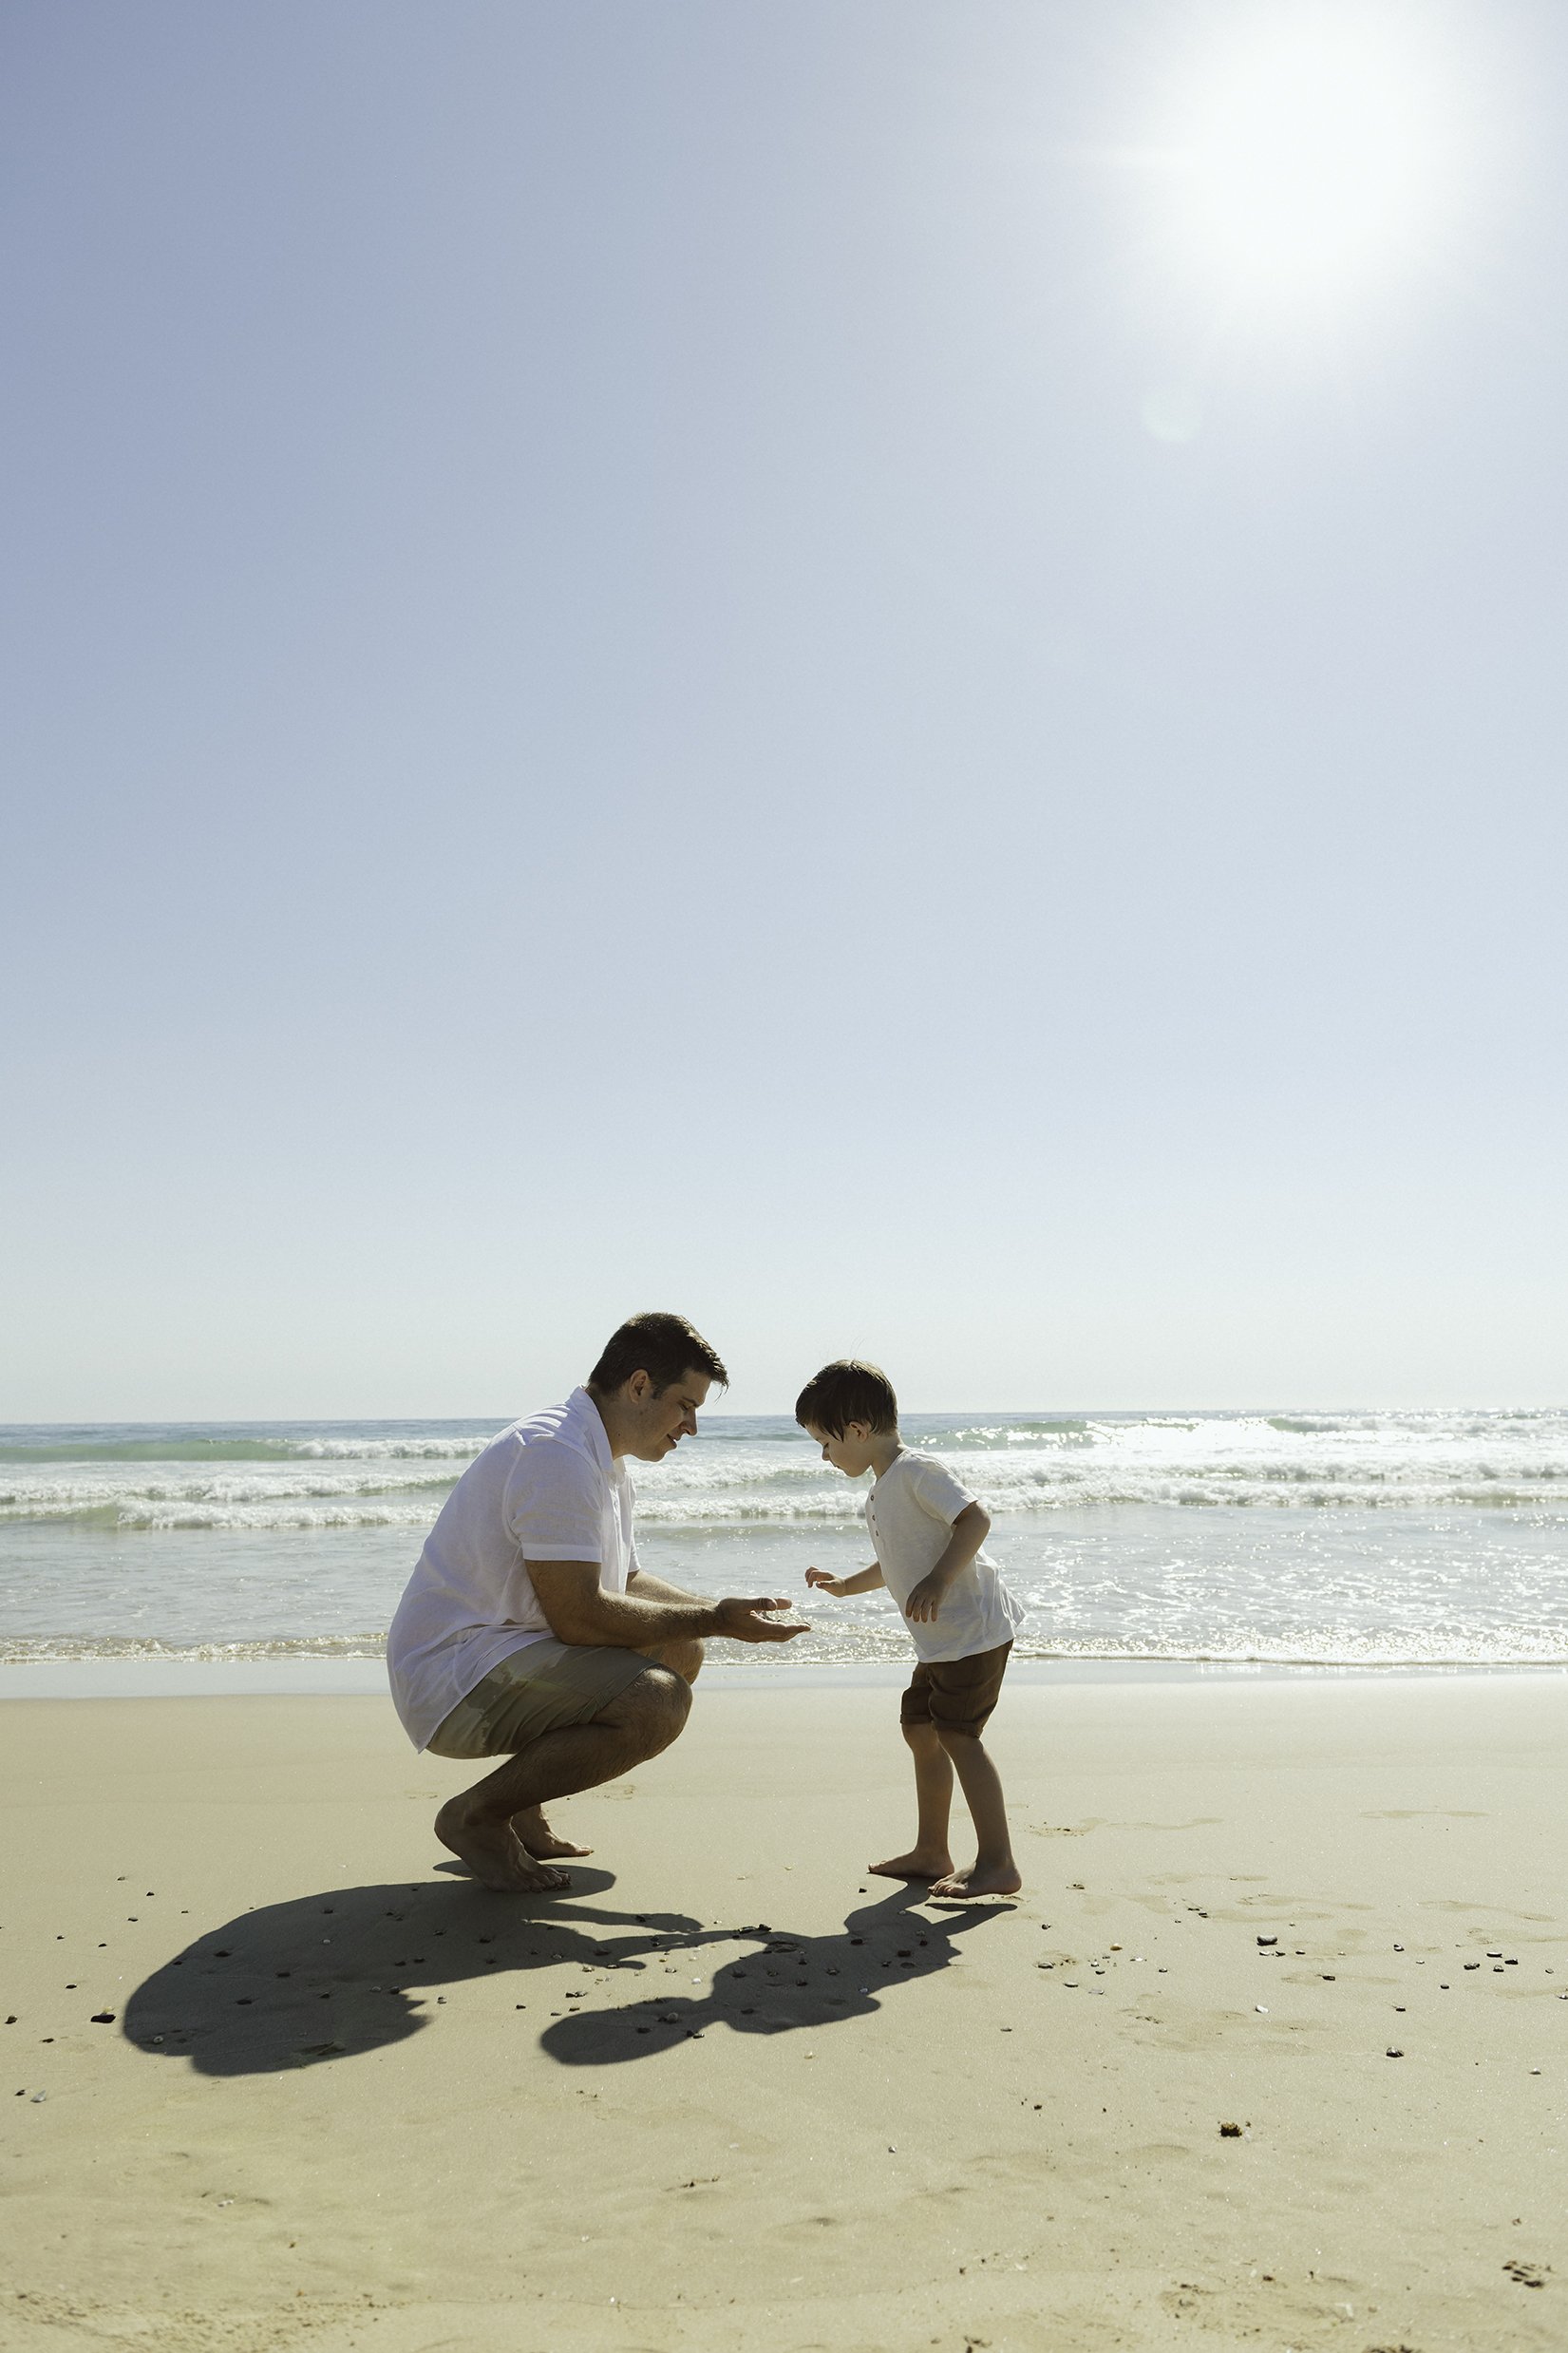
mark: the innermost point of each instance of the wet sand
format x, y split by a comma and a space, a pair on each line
734, 2093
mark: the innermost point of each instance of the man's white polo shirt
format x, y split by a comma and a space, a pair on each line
546, 1489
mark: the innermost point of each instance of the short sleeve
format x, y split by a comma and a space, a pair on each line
555, 1504
937, 1491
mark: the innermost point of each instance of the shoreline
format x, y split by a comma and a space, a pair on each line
301, 1678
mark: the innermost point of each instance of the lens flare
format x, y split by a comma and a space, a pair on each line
1311, 159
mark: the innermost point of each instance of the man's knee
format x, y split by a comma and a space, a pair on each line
653, 1709
684, 1659
956, 1741
921, 1733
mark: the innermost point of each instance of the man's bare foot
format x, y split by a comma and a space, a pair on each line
495, 1855
540, 1839
914, 1865
996, 1879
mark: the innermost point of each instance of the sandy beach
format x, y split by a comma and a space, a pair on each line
1273, 2050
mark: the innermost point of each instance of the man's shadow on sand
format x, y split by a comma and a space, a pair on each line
349, 1970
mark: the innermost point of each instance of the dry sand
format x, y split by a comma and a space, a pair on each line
347, 2098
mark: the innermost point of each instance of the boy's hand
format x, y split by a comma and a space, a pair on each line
824, 1583
925, 1603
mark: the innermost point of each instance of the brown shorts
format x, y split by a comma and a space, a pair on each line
542, 1688
955, 1695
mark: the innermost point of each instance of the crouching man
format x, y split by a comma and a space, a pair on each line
529, 1632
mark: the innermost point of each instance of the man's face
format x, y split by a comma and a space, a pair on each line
850, 1452
661, 1418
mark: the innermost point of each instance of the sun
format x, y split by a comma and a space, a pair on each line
1310, 157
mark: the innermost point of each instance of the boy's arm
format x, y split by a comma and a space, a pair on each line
970, 1530
863, 1581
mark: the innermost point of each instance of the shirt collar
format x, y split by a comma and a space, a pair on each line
581, 1407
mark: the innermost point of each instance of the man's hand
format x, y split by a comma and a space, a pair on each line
743, 1621
826, 1582
924, 1603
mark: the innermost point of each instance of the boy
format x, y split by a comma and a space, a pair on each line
927, 1531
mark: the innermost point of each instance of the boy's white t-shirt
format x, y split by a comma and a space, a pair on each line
909, 1512
547, 1489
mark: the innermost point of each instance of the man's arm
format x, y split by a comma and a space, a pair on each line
580, 1611
646, 1589
970, 1530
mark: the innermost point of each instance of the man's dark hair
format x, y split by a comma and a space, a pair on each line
662, 1346
847, 1392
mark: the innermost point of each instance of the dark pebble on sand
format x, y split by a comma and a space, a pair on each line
1264, 1940
1391, 2053
101, 2018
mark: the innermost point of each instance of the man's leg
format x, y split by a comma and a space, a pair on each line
684, 1659
477, 1825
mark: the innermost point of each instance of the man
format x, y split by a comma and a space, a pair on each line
529, 1631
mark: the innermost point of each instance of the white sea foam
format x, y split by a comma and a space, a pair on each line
271, 1501
17, 1651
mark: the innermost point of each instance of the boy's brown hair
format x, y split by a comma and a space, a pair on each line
847, 1392
661, 1345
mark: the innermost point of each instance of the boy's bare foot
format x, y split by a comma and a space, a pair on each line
996, 1879
914, 1865
495, 1855
540, 1839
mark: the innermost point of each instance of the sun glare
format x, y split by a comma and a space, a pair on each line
1311, 159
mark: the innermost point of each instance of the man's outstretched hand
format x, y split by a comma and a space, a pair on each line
745, 1622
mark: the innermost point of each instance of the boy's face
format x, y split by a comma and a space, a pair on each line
850, 1453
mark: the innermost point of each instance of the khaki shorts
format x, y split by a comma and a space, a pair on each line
957, 1695
542, 1687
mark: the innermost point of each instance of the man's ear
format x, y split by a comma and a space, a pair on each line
638, 1387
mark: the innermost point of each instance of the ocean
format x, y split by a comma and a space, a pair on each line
1311, 1539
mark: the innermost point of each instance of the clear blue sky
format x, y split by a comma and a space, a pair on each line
800, 661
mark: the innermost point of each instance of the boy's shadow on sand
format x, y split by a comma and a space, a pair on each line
335, 1975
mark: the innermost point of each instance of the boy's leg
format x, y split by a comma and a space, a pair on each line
993, 1870
930, 1857
963, 1693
